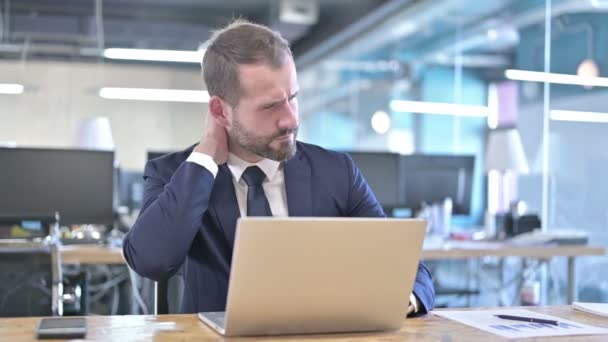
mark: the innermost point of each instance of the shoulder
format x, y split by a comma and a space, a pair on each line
319, 155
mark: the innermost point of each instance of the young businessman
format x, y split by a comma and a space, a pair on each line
248, 163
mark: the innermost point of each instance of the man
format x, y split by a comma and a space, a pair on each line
248, 163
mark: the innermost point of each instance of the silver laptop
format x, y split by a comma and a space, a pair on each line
319, 275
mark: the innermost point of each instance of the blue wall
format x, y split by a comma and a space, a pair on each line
329, 129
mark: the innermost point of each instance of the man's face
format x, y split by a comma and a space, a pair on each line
265, 121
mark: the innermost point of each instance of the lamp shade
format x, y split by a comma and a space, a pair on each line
505, 151
94, 134
558, 151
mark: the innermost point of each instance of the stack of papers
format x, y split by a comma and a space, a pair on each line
486, 320
594, 308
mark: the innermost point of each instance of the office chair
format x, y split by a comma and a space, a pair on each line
168, 293
31, 278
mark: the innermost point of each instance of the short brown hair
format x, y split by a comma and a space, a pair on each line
241, 42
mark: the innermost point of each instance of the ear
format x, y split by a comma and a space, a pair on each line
220, 111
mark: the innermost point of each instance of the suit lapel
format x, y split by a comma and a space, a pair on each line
225, 205
298, 186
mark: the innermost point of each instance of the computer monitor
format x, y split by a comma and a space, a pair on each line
433, 178
131, 184
76, 183
382, 173
130, 189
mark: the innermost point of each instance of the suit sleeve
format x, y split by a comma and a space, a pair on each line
170, 218
363, 203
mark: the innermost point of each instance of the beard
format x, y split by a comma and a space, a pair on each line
260, 145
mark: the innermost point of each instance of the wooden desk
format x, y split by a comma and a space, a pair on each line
188, 327
91, 254
467, 250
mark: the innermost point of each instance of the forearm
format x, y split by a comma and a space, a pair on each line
159, 240
424, 290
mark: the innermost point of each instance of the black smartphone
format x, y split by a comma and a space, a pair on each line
62, 327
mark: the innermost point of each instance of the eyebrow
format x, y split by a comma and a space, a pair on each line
273, 103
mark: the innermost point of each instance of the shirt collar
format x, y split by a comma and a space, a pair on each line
237, 166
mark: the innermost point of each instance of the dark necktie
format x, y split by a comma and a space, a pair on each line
257, 203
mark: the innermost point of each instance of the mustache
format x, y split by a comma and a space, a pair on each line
284, 132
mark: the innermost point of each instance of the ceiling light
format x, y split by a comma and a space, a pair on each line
404, 29
578, 116
155, 55
439, 108
492, 34
381, 122
599, 3
588, 68
539, 76
168, 95
11, 88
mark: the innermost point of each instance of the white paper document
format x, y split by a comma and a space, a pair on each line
486, 320
594, 308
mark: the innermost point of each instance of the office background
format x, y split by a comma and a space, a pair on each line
369, 71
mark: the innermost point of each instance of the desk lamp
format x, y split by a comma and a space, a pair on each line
505, 159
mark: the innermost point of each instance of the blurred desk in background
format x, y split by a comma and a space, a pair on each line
95, 254
102, 274
91, 254
475, 249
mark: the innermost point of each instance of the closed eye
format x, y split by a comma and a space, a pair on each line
275, 104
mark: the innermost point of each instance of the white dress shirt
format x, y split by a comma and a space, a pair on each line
274, 184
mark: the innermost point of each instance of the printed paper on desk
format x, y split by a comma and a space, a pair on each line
594, 308
486, 320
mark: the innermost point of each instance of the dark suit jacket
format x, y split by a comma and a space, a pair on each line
189, 216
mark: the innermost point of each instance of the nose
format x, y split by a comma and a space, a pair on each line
289, 116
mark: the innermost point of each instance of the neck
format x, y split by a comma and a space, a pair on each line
242, 153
